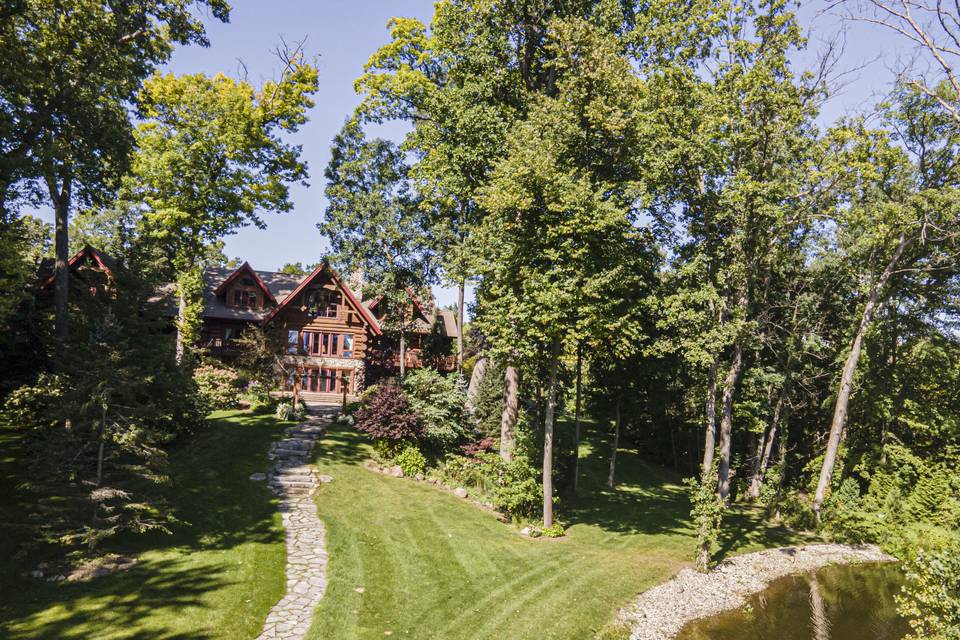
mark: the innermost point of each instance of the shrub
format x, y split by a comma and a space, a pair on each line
257, 394
513, 487
930, 599
488, 405
286, 411
386, 415
438, 402
219, 387
553, 531
844, 515
472, 449
411, 460
28, 406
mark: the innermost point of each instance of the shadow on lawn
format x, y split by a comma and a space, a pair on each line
646, 500
217, 507
342, 445
649, 499
162, 587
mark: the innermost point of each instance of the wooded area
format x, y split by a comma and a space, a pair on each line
662, 232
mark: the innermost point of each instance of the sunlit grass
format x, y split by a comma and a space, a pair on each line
415, 562
216, 577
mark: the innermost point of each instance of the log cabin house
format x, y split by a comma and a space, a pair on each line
333, 339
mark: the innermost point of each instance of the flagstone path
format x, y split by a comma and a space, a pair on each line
295, 481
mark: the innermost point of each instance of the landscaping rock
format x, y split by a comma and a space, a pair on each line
460, 492
325, 479
258, 477
661, 612
525, 531
419, 477
396, 471
100, 567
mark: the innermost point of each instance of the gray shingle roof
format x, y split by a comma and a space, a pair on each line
279, 284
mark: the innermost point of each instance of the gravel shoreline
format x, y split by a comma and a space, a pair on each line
661, 612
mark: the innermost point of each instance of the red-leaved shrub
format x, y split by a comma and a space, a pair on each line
386, 415
473, 449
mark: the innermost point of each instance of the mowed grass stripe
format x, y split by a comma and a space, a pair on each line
437, 567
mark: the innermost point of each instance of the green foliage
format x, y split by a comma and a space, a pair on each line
706, 512
285, 411
212, 157
219, 386
190, 294
910, 502
930, 599
438, 402
411, 460
258, 395
513, 487
488, 404
374, 222
553, 531
27, 407
69, 75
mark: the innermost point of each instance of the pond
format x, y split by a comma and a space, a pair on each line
853, 602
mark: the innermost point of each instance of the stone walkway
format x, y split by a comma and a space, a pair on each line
294, 481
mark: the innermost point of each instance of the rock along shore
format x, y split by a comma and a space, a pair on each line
661, 612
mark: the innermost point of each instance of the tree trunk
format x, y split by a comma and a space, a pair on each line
296, 389
710, 409
476, 378
61, 270
616, 445
576, 419
726, 421
763, 456
846, 379
181, 318
103, 433
511, 406
403, 354
460, 289
548, 435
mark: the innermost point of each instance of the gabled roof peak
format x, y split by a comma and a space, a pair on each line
245, 267
354, 302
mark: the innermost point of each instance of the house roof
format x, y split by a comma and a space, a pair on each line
105, 262
348, 294
278, 285
245, 268
444, 320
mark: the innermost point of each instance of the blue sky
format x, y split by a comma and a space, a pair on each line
343, 35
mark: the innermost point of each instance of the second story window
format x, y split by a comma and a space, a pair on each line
246, 299
322, 303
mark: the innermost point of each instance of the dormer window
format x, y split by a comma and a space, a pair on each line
247, 299
322, 303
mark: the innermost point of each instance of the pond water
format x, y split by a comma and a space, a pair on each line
853, 602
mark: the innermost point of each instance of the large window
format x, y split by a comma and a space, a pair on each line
317, 343
321, 303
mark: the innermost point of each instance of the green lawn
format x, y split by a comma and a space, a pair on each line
433, 566
216, 578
